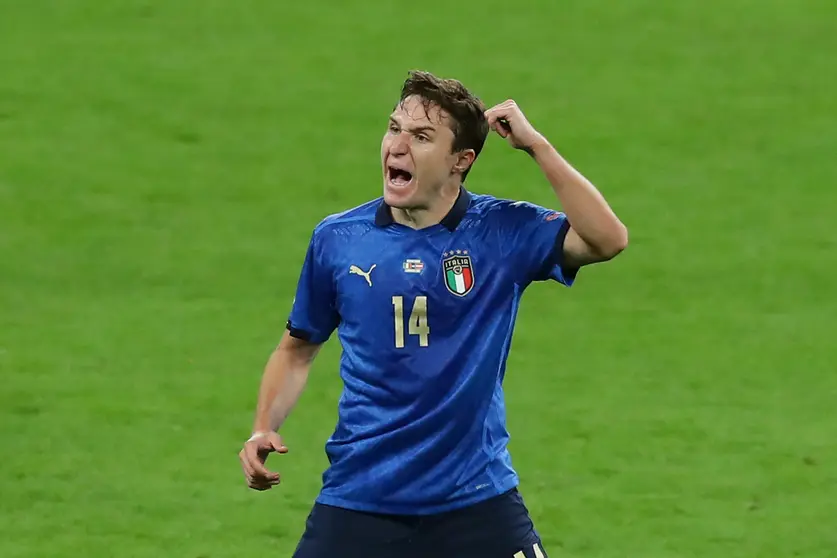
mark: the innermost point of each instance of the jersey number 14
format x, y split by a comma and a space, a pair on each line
416, 324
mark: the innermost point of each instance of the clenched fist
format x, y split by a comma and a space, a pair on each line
510, 123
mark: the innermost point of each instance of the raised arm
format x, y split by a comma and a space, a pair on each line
596, 234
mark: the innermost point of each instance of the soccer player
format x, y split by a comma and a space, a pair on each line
422, 286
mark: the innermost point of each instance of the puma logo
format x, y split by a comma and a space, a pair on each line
365, 274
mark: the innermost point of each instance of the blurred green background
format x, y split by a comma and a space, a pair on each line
162, 165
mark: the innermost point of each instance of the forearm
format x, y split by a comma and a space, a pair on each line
284, 378
587, 211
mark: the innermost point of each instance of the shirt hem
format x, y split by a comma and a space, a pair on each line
418, 509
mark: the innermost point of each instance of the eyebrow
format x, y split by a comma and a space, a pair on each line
416, 129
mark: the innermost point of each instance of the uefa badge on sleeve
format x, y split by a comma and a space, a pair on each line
458, 272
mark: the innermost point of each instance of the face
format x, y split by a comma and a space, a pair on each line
417, 157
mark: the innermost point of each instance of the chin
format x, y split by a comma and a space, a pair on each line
401, 197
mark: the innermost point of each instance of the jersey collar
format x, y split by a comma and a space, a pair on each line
383, 217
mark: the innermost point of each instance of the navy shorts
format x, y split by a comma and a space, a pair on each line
496, 528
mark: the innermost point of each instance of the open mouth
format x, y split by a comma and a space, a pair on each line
399, 177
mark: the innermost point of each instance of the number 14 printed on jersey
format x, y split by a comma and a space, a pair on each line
416, 324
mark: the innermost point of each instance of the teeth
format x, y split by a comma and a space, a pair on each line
399, 177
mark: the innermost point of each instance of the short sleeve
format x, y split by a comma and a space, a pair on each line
314, 314
535, 238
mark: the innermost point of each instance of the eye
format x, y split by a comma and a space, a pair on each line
423, 138
393, 127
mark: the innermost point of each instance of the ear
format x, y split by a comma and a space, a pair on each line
464, 160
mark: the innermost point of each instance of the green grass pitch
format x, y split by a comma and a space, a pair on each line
162, 165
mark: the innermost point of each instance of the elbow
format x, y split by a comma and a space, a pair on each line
622, 238
616, 243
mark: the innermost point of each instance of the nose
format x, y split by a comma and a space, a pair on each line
400, 144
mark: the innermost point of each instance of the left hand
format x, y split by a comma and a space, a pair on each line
509, 122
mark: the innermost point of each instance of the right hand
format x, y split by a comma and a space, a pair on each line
253, 456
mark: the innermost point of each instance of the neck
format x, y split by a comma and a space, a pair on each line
422, 217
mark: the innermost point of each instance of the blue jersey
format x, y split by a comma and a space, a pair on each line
425, 319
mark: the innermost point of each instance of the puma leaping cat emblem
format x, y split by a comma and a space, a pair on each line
365, 274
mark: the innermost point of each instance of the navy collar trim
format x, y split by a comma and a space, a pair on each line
383, 216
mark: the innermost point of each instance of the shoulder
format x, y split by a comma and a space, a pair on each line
350, 222
501, 211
